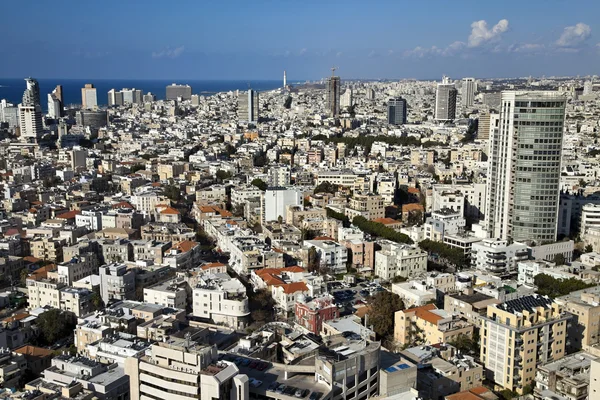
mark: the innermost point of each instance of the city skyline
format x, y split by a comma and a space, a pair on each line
262, 41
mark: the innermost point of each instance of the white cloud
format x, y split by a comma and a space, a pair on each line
526, 48
302, 51
169, 52
574, 35
480, 34
339, 54
421, 52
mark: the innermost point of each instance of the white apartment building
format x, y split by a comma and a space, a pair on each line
183, 369
91, 219
239, 195
147, 202
171, 294
279, 176
590, 217
275, 201
497, 256
473, 203
402, 260
222, 299
332, 254
442, 222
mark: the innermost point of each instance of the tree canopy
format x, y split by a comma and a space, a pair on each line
54, 325
326, 187
259, 183
380, 230
451, 255
172, 192
552, 287
382, 307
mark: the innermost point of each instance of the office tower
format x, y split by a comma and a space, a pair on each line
149, 98
333, 96
30, 113
130, 96
284, 79
248, 106
59, 94
524, 167
445, 100
396, 111
55, 103
488, 121
175, 91
195, 100
346, 98
88, 96
588, 87
520, 334
469, 86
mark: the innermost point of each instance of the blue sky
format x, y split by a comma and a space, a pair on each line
258, 39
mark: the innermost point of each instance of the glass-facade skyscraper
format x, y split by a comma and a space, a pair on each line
396, 111
524, 167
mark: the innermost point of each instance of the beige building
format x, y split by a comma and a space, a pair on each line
183, 369
170, 170
584, 330
428, 325
518, 335
567, 378
422, 157
470, 306
371, 206
49, 249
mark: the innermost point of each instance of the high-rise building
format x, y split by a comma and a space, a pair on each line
284, 79
520, 334
55, 103
370, 94
492, 99
115, 98
346, 98
488, 120
176, 91
30, 113
9, 113
149, 98
469, 86
396, 111
588, 87
524, 167
89, 99
445, 100
248, 106
275, 201
333, 96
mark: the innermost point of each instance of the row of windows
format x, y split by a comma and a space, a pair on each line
540, 104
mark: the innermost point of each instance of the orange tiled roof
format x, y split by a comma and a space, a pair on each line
212, 265
424, 312
69, 214
16, 317
413, 190
170, 210
294, 287
272, 280
293, 268
122, 204
185, 246
32, 259
34, 351
412, 207
263, 271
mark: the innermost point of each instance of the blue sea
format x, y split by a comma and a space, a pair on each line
12, 89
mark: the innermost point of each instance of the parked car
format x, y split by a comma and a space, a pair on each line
261, 366
281, 388
273, 386
253, 364
246, 362
300, 393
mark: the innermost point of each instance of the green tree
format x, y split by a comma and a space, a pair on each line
326, 187
259, 183
137, 167
314, 260
552, 287
559, 259
54, 325
588, 249
382, 308
97, 301
222, 175
466, 344
172, 192
288, 102
380, 230
447, 254
23, 276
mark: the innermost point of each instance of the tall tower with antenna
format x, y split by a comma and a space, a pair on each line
333, 94
284, 79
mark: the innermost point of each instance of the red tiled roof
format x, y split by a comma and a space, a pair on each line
293, 268
69, 214
16, 317
386, 221
122, 204
412, 207
212, 265
170, 211
185, 246
413, 190
294, 287
323, 238
34, 351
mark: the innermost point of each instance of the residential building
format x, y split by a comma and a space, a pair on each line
445, 101
584, 330
276, 200
469, 87
221, 299
428, 325
497, 256
30, 113
399, 260
12, 368
248, 106
520, 334
89, 100
186, 369
331, 255
116, 282
525, 165
175, 92
311, 313
567, 378
172, 293
368, 205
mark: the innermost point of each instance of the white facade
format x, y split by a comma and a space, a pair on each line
590, 217
275, 201
399, 260
332, 255
497, 256
222, 299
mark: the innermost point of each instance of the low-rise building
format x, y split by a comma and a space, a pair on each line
172, 293
222, 299
497, 256
399, 260
567, 378
312, 312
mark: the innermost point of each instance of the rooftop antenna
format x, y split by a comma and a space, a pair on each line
333, 70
